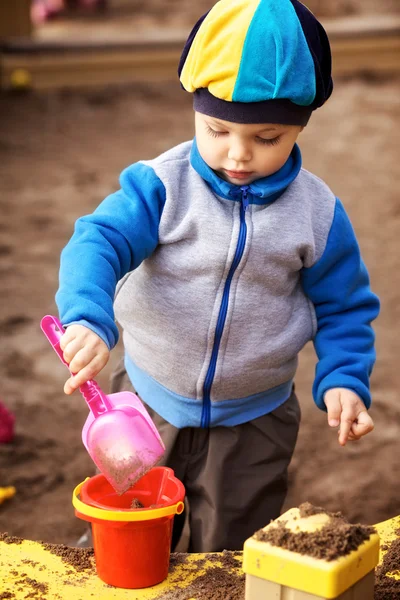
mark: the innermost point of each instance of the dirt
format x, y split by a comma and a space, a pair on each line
81, 559
216, 584
136, 503
60, 155
177, 559
220, 581
337, 538
10, 539
36, 587
123, 471
387, 588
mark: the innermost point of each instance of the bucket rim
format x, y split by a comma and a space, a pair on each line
167, 473
126, 515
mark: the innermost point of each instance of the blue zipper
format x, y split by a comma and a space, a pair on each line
206, 412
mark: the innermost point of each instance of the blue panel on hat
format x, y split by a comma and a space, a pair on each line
276, 60
319, 46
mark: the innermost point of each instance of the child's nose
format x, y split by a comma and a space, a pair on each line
239, 151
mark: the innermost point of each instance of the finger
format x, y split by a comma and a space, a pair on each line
363, 425
71, 350
334, 408
352, 437
81, 359
69, 386
346, 423
66, 338
88, 372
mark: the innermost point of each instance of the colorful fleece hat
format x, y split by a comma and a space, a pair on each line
257, 61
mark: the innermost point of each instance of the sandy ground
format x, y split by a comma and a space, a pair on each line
60, 154
126, 18
183, 13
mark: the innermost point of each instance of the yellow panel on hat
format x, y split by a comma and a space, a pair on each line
315, 576
213, 61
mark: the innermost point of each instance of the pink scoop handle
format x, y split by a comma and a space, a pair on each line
91, 391
54, 331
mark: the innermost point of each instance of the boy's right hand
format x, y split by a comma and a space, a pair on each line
86, 354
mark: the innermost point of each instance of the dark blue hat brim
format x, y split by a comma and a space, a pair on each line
281, 111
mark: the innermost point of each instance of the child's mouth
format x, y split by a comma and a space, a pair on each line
238, 174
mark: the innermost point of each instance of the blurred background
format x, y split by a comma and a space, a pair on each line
88, 87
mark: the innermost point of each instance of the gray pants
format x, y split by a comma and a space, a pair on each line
235, 477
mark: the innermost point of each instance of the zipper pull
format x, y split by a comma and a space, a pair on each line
245, 198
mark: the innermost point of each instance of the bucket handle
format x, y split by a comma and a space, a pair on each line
123, 515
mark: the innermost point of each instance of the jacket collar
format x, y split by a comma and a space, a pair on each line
261, 191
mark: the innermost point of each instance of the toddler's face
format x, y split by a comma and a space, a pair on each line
242, 153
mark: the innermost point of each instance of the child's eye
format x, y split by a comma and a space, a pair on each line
214, 133
269, 142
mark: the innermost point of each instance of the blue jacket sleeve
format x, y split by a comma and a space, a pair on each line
106, 245
338, 286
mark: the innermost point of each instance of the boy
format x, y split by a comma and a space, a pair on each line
230, 258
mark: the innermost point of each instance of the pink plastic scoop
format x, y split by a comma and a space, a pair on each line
119, 434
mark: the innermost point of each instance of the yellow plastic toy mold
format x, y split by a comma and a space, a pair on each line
315, 577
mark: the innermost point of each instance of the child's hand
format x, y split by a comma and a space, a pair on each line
347, 411
85, 353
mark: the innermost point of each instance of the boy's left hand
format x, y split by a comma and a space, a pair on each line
348, 412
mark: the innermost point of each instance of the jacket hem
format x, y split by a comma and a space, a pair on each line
181, 411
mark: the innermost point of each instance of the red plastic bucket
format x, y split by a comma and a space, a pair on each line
131, 546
